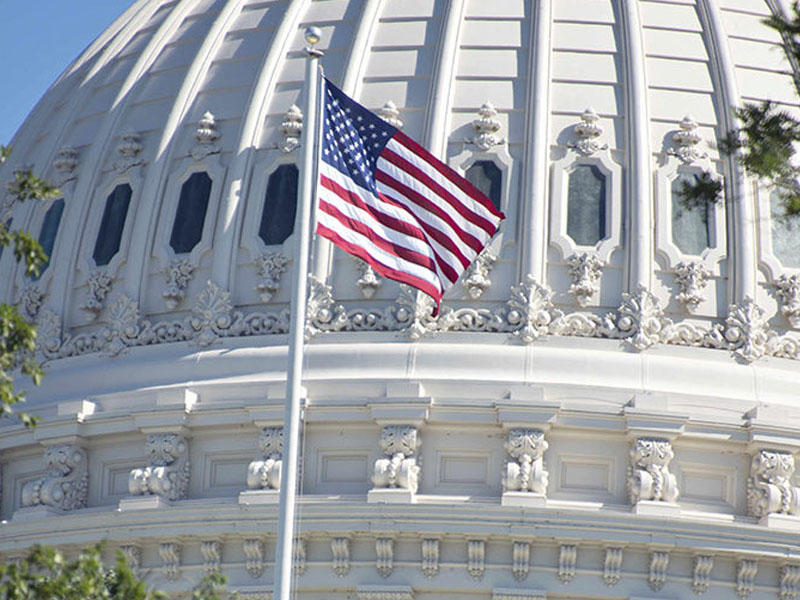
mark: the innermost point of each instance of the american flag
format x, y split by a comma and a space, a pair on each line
388, 201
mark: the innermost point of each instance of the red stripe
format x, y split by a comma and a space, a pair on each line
422, 202
382, 269
455, 178
347, 196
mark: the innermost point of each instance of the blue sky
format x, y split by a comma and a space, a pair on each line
38, 39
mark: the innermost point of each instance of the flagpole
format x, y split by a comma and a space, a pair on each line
294, 374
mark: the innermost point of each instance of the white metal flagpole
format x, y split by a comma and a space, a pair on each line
294, 374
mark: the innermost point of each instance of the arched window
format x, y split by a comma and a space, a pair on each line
47, 236
280, 206
785, 233
586, 205
690, 227
487, 177
110, 234
187, 230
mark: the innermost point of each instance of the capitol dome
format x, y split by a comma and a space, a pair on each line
606, 405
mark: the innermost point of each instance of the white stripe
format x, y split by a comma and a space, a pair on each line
467, 200
418, 186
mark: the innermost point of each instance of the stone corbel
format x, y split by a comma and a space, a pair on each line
396, 476
166, 476
264, 473
65, 484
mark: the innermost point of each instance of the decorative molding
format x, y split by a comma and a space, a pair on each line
133, 556
399, 443
128, 150
520, 560
211, 314
270, 267
746, 330
692, 278
170, 554
65, 485
99, 284
769, 487
476, 556
585, 270
384, 552
649, 477
265, 473
430, 557
389, 113
526, 473
659, 561
167, 473
476, 280
178, 276
612, 563
567, 560
789, 577
340, 548
587, 133
486, 127
299, 556
641, 321
254, 555
415, 311
789, 293
517, 594
323, 313
205, 137
65, 163
30, 301
532, 311
703, 563
745, 577
368, 281
211, 550
687, 141
381, 592
291, 129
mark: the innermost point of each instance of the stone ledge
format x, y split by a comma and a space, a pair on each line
148, 502
391, 496
259, 497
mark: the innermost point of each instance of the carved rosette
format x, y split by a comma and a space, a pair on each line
746, 330
649, 477
65, 485
291, 129
585, 270
99, 284
526, 473
128, 150
368, 281
692, 279
270, 267
587, 133
178, 275
206, 137
789, 293
486, 127
65, 163
323, 313
167, 472
265, 473
687, 141
399, 444
389, 113
531, 311
476, 280
31, 301
769, 488
641, 321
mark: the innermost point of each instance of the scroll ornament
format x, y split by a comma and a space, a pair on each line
400, 444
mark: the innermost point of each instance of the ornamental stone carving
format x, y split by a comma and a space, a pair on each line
340, 548
531, 310
206, 137
368, 281
212, 316
291, 129
99, 284
65, 163
270, 267
641, 321
477, 281
486, 127
520, 560
65, 484
587, 133
687, 141
178, 275
415, 309
430, 557
648, 474
384, 552
399, 444
254, 556
692, 279
659, 561
789, 293
167, 473
703, 563
211, 550
746, 330
132, 554
31, 301
299, 553
123, 328
745, 577
612, 564
323, 313
769, 488
389, 113
265, 473
526, 473
170, 554
567, 560
128, 150
585, 270
789, 577
476, 559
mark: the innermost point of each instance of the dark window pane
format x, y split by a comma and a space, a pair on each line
47, 236
487, 177
689, 224
110, 234
586, 205
280, 205
785, 233
191, 214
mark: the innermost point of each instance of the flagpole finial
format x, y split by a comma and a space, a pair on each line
313, 35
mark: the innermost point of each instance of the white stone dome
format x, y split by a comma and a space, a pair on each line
613, 383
